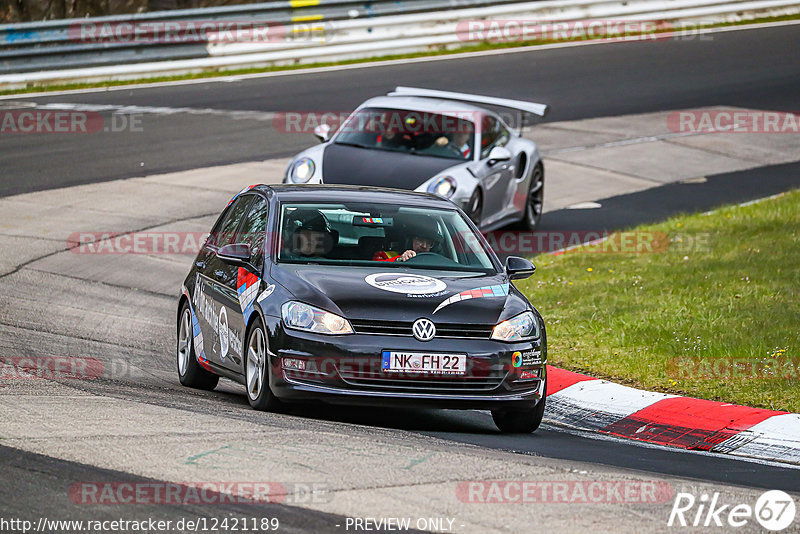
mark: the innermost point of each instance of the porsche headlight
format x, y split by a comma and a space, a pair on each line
445, 187
521, 327
311, 319
302, 170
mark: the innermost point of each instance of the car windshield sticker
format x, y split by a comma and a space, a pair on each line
409, 284
247, 288
500, 290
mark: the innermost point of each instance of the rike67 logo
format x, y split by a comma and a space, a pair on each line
774, 510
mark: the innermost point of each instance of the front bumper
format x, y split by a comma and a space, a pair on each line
347, 370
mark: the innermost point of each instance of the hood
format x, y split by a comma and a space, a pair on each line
364, 166
393, 294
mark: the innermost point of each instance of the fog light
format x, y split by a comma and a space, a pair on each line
529, 375
293, 363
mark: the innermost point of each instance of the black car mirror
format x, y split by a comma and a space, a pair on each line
519, 268
234, 253
323, 132
498, 154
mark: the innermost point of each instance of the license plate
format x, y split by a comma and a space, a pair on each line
417, 362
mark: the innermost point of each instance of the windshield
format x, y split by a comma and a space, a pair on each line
380, 234
413, 132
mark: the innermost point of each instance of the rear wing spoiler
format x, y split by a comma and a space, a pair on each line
520, 105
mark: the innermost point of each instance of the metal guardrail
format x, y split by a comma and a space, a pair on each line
56, 44
45, 52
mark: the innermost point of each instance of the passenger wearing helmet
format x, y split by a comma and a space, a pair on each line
422, 234
309, 235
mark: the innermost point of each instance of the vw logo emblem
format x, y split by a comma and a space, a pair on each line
423, 329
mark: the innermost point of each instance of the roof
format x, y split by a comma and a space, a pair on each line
353, 193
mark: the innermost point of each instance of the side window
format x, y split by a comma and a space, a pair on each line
492, 134
225, 232
254, 230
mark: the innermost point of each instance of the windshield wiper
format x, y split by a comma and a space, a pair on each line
357, 145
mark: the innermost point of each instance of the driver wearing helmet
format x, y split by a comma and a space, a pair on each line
458, 143
423, 234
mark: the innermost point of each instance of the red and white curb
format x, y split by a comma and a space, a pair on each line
590, 404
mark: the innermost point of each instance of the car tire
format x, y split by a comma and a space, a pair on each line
257, 364
190, 373
474, 207
511, 421
534, 202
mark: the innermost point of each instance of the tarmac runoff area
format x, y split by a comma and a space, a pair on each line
120, 310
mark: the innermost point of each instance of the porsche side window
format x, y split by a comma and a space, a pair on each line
254, 231
492, 134
225, 232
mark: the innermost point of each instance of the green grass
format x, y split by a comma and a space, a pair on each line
38, 87
648, 319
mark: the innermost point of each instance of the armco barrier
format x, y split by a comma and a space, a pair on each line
52, 44
43, 53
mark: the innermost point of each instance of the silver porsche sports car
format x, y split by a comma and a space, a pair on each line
446, 143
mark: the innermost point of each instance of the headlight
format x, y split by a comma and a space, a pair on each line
304, 317
519, 328
302, 170
444, 187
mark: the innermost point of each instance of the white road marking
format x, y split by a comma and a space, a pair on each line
777, 436
608, 397
266, 116
585, 206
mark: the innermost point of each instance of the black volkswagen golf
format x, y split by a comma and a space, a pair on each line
361, 295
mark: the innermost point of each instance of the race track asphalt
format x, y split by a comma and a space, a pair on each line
757, 69
735, 69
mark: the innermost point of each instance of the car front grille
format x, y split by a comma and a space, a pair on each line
428, 383
403, 328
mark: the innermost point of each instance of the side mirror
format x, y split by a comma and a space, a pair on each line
323, 132
498, 154
519, 268
235, 253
